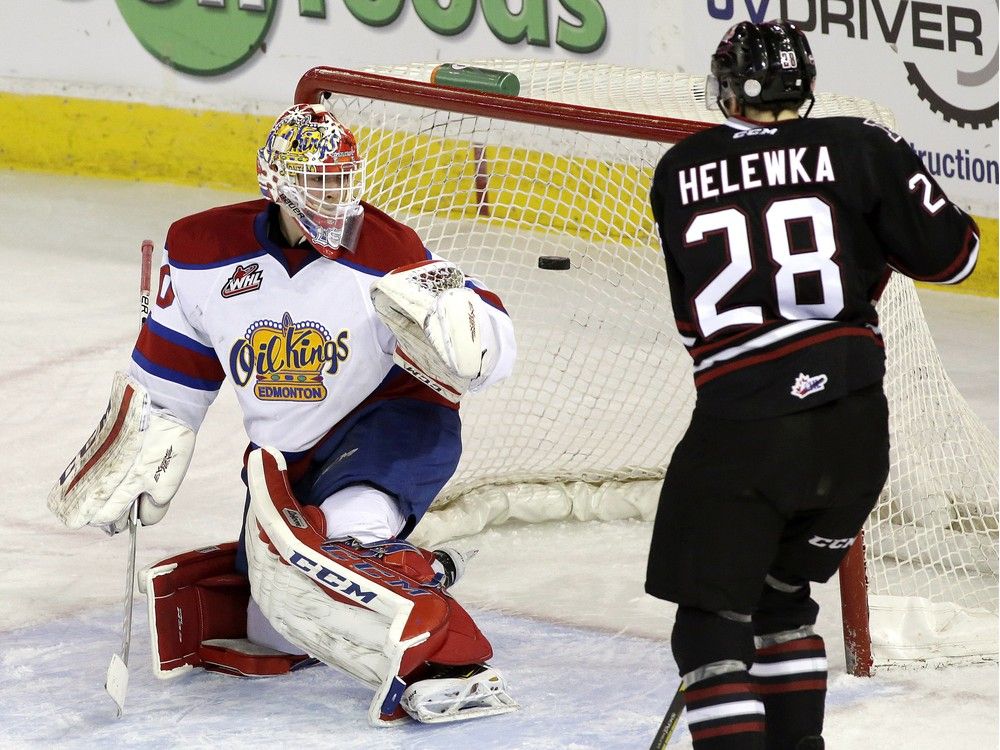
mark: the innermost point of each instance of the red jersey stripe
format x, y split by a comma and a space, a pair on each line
171, 356
699, 735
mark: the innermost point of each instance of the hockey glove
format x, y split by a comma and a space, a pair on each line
441, 330
134, 454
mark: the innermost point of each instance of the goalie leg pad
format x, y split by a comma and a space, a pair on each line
197, 617
362, 512
375, 611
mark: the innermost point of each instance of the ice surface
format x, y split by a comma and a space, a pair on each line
586, 652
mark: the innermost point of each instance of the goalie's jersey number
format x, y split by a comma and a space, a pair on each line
814, 218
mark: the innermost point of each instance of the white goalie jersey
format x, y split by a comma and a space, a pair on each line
297, 335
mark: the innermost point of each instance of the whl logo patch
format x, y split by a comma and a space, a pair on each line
244, 279
806, 385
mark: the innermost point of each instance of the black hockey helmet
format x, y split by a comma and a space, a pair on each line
764, 65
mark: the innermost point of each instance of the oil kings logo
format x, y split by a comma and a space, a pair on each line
209, 37
948, 48
288, 359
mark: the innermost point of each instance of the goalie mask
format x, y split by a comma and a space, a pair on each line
310, 167
763, 65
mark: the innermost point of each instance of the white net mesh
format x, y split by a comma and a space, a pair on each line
603, 387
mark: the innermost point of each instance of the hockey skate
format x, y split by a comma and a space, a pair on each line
456, 693
453, 563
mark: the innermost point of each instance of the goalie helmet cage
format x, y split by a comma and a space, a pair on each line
603, 389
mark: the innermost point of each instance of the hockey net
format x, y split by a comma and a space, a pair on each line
603, 388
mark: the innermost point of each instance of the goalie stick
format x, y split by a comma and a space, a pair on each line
116, 681
669, 723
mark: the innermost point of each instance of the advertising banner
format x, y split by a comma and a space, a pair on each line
934, 64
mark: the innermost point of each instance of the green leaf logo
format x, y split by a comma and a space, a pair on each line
202, 37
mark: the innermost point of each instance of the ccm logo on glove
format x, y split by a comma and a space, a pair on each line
822, 541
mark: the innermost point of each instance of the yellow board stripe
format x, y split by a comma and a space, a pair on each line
527, 189
983, 281
152, 143
130, 141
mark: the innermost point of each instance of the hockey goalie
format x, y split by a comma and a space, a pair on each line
350, 347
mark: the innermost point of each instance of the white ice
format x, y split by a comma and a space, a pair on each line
586, 652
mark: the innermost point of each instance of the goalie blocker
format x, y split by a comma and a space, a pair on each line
135, 454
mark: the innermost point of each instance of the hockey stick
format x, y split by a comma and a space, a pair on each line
116, 681
669, 723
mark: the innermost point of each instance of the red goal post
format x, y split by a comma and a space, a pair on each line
603, 389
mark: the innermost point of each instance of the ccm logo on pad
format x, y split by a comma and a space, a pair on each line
330, 579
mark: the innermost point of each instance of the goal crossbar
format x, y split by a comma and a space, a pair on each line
517, 109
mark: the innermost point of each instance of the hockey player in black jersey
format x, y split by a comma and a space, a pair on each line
780, 233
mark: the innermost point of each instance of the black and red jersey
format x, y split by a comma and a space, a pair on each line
779, 239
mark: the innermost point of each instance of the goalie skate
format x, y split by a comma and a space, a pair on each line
458, 693
453, 563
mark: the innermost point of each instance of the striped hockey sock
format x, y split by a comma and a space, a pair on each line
790, 675
724, 713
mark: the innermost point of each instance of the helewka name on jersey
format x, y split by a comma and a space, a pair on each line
784, 166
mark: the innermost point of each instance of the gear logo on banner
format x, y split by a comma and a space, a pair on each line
961, 116
950, 50
201, 37
952, 58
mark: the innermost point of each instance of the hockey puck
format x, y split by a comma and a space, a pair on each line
553, 262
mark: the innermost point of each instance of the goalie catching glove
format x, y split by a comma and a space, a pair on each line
134, 454
444, 336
